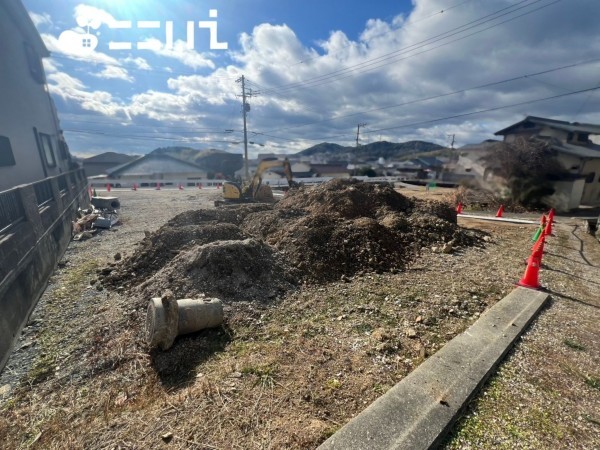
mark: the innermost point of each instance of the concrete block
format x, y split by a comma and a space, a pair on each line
419, 411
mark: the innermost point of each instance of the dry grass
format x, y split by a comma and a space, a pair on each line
288, 376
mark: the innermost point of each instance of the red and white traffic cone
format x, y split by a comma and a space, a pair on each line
530, 278
500, 211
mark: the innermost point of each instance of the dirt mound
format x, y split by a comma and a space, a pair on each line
231, 270
315, 234
233, 213
345, 227
347, 198
160, 247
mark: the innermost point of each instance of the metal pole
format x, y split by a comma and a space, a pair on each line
244, 109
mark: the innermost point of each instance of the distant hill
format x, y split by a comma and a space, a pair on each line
374, 150
215, 161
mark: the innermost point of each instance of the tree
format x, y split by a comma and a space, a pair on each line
365, 172
529, 166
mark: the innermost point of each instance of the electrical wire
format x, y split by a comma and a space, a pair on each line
440, 119
386, 32
376, 63
447, 94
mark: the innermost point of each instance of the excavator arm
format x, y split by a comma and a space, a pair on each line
264, 165
256, 191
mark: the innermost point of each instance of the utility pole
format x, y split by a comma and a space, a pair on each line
452, 143
245, 109
358, 132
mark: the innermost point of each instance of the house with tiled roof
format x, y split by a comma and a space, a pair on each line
576, 151
102, 163
155, 167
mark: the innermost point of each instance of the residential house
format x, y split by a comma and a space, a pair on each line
472, 164
578, 154
39, 192
156, 168
330, 170
32, 146
102, 163
430, 166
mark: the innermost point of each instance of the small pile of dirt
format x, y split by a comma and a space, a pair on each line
231, 270
157, 249
233, 213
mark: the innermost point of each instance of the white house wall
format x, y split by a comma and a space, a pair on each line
591, 190
24, 104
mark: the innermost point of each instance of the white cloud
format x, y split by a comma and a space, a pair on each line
56, 46
181, 53
139, 62
40, 19
393, 62
86, 15
113, 72
75, 92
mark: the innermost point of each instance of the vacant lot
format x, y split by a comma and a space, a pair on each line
288, 372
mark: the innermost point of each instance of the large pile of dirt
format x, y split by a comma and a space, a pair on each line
345, 227
319, 234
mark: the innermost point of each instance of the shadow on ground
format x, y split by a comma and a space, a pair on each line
176, 367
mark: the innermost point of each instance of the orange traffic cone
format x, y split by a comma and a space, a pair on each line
551, 215
459, 208
500, 211
158, 186
530, 277
548, 229
537, 251
108, 187
543, 221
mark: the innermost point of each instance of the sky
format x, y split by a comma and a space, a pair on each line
131, 76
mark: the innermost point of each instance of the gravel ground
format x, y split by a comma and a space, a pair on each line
290, 375
144, 210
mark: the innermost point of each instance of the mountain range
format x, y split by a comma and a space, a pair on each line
374, 150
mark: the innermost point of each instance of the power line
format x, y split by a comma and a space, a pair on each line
376, 63
440, 119
460, 91
487, 110
320, 139
386, 32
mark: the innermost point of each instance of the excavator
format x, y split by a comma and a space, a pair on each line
256, 191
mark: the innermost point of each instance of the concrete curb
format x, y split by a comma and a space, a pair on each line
419, 411
496, 219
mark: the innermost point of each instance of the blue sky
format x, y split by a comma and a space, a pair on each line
421, 69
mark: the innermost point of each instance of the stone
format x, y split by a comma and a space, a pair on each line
448, 247
411, 333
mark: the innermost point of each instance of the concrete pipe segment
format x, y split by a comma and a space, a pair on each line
168, 318
106, 202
